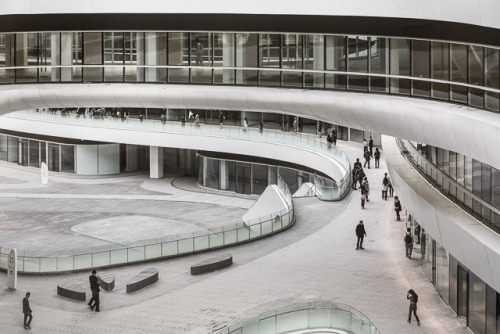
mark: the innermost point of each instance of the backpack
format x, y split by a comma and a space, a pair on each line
377, 154
408, 238
385, 181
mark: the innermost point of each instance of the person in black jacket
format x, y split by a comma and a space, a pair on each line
413, 297
397, 208
94, 286
360, 233
28, 316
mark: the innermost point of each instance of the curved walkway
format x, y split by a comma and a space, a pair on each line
314, 260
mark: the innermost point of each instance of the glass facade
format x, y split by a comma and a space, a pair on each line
430, 69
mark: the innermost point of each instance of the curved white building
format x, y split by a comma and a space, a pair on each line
425, 72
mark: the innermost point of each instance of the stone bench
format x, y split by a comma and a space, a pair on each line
71, 291
106, 281
143, 279
212, 264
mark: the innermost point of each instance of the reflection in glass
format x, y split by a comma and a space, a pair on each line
269, 51
400, 65
492, 77
440, 69
34, 153
458, 72
27, 55
379, 63
155, 55
224, 55
133, 55
420, 67
113, 55
178, 54
54, 158
7, 57
49, 55
71, 56
201, 55
291, 58
314, 59
476, 76
68, 158
477, 304
246, 56
92, 55
259, 178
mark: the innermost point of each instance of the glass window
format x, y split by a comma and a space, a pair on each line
453, 284
246, 56
34, 147
442, 272
212, 177
54, 158
133, 55
291, 57
400, 65
259, 179
336, 50
357, 59
113, 55
269, 51
201, 55
440, 69
476, 184
224, 55
71, 56
458, 72
492, 310
460, 170
155, 54
476, 76
7, 57
420, 67
495, 194
67, 158
12, 150
477, 304
92, 55
3, 147
27, 55
492, 77
314, 59
379, 64
178, 54
49, 55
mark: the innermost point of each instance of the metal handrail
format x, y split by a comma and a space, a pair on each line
407, 147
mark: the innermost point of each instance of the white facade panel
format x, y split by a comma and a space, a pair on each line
86, 159
109, 159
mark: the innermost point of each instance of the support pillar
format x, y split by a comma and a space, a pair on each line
131, 158
155, 162
223, 175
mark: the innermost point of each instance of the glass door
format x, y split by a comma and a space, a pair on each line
462, 292
243, 181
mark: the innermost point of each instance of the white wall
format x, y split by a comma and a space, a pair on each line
473, 132
479, 12
98, 159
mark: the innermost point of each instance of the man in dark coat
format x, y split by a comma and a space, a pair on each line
360, 233
94, 286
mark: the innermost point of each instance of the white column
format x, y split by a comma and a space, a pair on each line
242, 116
223, 175
155, 162
318, 59
66, 55
54, 55
394, 55
140, 56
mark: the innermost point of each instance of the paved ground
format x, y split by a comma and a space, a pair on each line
314, 260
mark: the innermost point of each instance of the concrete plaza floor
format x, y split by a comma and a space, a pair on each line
314, 260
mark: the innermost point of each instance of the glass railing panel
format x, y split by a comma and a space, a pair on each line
169, 248
118, 256
217, 239
268, 325
83, 261
243, 234
319, 318
135, 254
153, 251
186, 246
201, 242
48, 264
101, 259
340, 319
31, 264
289, 322
267, 227
230, 237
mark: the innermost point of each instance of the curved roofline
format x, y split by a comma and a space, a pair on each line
311, 24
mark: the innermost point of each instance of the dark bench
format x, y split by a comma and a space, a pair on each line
106, 281
212, 264
143, 279
71, 291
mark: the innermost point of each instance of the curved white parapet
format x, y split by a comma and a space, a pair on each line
470, 241
472, 132
480, 12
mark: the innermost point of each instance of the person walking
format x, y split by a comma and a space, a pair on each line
360, 233
94, 286
245, 124
362, 191
295, 125
319, 128
365, 145
334, 137
413, 297
28, 314
367, 157
377, 158
370, 145
221, 119
366, 185
397, 208
390, 188
423, 245
385, 182
408, 239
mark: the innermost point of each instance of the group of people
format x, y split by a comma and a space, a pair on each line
331, 139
